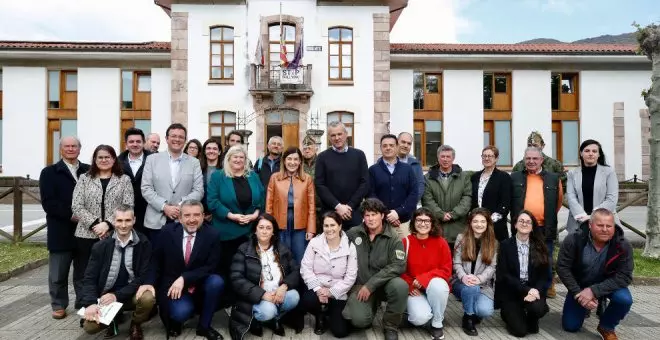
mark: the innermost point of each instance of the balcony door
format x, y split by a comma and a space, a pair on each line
283, 123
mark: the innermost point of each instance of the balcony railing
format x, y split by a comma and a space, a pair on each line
264, 79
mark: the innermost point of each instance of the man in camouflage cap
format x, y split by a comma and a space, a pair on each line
309, 149
549, 164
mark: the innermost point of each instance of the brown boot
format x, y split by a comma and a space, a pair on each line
606, 334
135, 332
552, 293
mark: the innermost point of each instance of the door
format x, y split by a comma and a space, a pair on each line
283, 123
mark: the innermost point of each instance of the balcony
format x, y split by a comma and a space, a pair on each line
266, 81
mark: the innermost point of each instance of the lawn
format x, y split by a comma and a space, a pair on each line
645, 267
15, 256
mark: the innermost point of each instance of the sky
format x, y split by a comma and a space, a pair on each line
424, 21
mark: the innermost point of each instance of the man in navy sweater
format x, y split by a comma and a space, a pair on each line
341, 177
394, 183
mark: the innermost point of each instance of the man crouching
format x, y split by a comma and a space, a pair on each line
117, 267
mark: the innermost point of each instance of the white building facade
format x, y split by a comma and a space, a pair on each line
211, 78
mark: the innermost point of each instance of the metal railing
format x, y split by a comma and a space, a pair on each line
274, 78
19, 187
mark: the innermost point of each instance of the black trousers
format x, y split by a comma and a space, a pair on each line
59, 264
339, 327
520, 316
227, 251
80, 260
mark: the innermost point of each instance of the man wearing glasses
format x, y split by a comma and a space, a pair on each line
168, 179
540, 192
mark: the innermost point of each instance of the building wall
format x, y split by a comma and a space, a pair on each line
401, 101
204, 97
532, 110
599, 91
24, 112
161, 103
98, 109
463, 115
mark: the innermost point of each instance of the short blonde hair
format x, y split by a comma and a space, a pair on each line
236, 149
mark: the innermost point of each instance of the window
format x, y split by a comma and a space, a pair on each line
135, 102
564, 91
347, 119
62, 89
283, 123
340, 53
427, 89
57, 129
220, 124
497, 114
62, 110
222, 52
289, 35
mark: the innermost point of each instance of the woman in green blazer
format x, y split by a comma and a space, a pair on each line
235, 199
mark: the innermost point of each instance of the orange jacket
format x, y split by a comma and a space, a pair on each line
304, 205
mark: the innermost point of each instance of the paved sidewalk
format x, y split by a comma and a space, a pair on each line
25, 307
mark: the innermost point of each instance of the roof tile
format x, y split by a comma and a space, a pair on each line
153, 46
568, 49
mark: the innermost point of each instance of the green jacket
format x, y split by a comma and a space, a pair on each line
549, 164
310, 169
456, 199
379, 260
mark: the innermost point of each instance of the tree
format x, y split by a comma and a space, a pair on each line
649, 45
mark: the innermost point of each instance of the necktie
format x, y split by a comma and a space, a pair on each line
186, 257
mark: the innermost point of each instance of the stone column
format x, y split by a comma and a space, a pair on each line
619, 142
179, 55
381, 78
646, 148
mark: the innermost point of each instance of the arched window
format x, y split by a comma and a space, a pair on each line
340, 53
221, 123
222, 53
347, 119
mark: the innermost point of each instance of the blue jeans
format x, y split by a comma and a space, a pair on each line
265, 311
295, 240
573, 314
183, 308
474, 302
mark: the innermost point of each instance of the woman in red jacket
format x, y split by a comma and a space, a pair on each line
428, 271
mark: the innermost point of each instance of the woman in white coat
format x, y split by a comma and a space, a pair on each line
591, 186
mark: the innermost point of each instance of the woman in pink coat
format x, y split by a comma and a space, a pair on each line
329, 269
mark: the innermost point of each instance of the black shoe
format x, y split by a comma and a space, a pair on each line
476, 319
209, 333
602, 304
437, 333
277, 328
256, 329
391, 334
320, 327
468, 325
82, 322
111, 331
174, 329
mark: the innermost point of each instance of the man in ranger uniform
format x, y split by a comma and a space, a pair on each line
381, 261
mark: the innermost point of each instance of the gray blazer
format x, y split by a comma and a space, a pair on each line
157, 188
485, 272
606, 194
87, 197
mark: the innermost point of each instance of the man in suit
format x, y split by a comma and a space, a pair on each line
132, 162
168, 179
56, 184
182, 267
117, 266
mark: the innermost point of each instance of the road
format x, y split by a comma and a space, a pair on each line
34, 216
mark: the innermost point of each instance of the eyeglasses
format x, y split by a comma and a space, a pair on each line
423, 221
521, 222
267, 274
487, 156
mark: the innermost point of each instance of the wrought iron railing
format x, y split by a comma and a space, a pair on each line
274, 78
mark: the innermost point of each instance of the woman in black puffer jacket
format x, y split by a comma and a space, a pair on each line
264, 277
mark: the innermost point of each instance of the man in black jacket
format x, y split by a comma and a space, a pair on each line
182, 267
595, 264
117, 266
269, 164
132, 162
56, 184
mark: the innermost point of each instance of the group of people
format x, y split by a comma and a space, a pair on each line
200, 227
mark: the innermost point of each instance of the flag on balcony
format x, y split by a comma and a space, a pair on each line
297, 58
283, 60
259, 53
